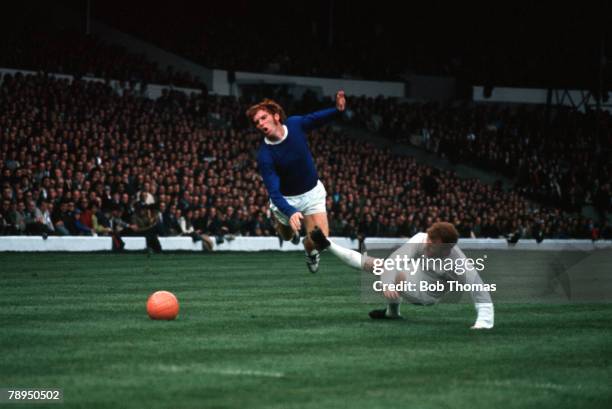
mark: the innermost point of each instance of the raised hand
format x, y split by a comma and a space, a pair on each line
340, 101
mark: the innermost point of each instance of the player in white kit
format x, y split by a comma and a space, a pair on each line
437, 265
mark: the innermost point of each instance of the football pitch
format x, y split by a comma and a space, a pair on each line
256, 330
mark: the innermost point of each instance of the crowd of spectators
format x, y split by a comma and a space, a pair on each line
558, 156
76, 158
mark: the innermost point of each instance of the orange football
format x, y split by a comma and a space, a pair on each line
162, 305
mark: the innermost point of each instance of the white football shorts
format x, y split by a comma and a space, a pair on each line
311, 202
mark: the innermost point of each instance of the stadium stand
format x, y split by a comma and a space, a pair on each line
558, 156
81, 158
78, 158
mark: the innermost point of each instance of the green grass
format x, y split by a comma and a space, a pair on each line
259, 331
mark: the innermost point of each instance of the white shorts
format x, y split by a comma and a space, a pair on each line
311, 202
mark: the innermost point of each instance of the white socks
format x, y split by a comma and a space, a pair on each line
350, 257
486, 315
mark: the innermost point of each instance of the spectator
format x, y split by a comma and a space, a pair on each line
100, 221
79, 227
110, 147
17, 218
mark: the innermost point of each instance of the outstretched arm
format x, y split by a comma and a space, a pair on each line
485, 313
340, 101
320, 118
483, 304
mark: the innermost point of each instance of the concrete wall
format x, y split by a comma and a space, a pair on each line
81, 244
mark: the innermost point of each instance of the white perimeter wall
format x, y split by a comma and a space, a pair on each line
80, 244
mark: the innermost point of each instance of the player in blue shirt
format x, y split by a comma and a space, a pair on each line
288, 171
